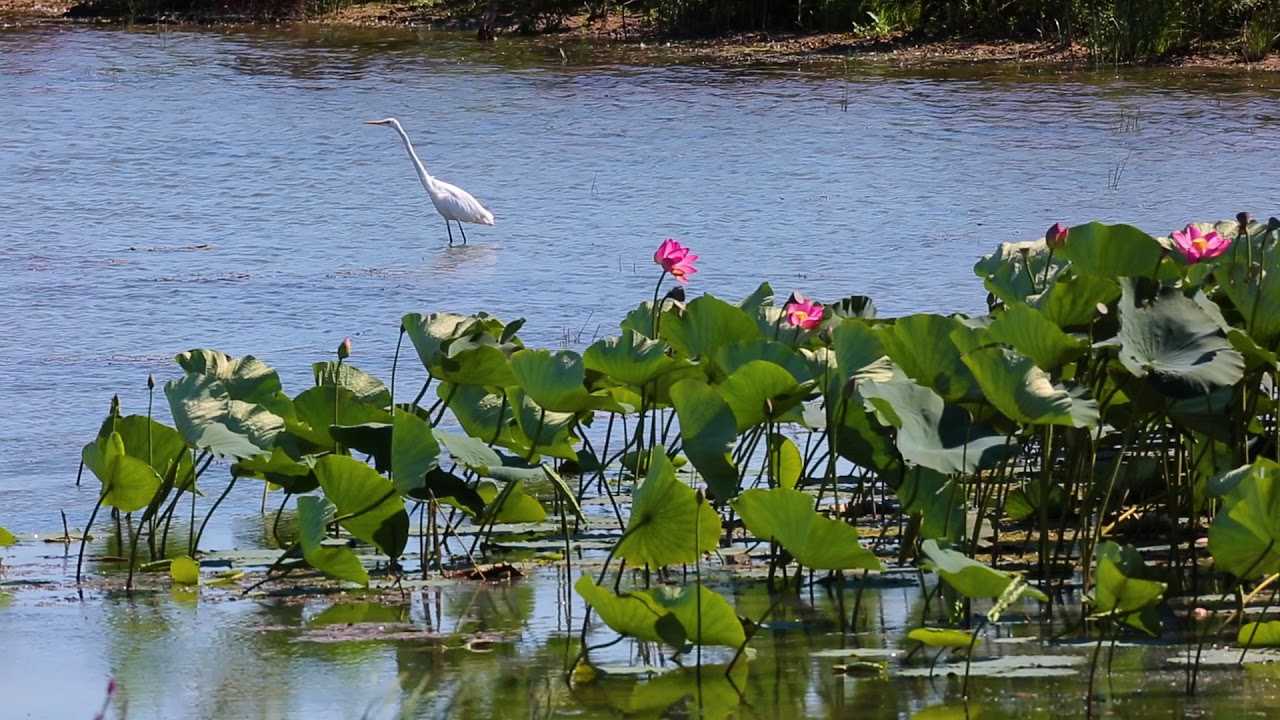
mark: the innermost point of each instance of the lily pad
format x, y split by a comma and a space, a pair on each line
368, 505
818, 542
1175, 344
314, 515
667, 524
941, 637
708, 429
666, 614
970, 577
184, 571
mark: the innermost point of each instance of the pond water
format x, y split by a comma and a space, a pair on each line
167, 190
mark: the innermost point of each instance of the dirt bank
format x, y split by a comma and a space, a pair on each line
742, 48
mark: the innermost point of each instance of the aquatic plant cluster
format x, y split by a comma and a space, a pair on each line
1121, 385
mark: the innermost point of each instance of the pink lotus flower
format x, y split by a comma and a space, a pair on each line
804, 313
676, 259
1056, 236
344, 349
1196, 245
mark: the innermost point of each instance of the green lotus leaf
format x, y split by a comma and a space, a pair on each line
856, 345
368, 505
517, 507
469, 451
1016, 271
1176, 344
1259, 634
279, 469
1256, 295
450, 489
785, 461
156, 444
788, 517
210, 419
631, 359
666, 614
1244, 538
314, 413
632, 614
414, 452
729, 358
1120, 589
364, 386
555, 381
1255, 356
314, 516
921, 345
373, 439
708, 430
128, 484
246, 378
941, 637
1025, 393
667, 524
969, 577
707, 324
483, 414
761, 390
184, 571
930, 432
640, 320
937, 499
547, 430
1112, 251
1073, 300
474, 362
720, 625
760, 297
859, 437
430, 333
1029, 332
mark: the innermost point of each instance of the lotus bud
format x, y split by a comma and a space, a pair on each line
1056, 236
344, 348
1200, 614
676, 293
700, 496
1243, 219
151, 381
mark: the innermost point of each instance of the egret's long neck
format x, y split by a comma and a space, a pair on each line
428, 182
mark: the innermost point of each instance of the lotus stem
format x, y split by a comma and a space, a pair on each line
657, 309
134, 534
195, 547
968, 658
395, 362
84, 537
697, 579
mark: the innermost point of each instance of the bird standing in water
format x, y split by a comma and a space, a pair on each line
452, 202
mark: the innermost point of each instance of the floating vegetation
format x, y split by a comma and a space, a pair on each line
1121, 392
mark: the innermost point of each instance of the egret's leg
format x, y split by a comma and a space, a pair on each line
464, 233
450, 230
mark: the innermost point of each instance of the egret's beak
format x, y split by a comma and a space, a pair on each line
375, 122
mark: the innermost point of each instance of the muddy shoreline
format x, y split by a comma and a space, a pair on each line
752, 48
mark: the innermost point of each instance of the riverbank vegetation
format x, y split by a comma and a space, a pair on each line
1112, 31
1121, 392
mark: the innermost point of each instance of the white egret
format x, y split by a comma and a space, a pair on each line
452, 202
